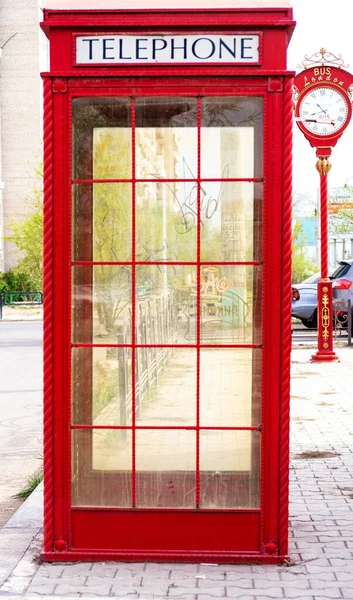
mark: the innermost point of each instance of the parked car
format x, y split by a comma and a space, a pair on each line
342, 291
304, 299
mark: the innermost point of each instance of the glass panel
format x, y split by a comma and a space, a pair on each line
102, 222
101, 386
230, 469
232, 137
165, 463
231, 215
166, 221
229, 296
166, 386
166, 138
112, 153
97, 455
101, 299
101, 124
166, 304
230, 387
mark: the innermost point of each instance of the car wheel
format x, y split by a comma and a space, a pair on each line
312, 322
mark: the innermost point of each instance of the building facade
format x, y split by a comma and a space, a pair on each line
22, 46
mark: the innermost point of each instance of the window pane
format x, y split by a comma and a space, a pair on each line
101, 386
231, 215
230, 304
166, 304
101, 138
232, 137
230, 469
230, 387
166, 386
166, 138
165, 464
101, 467
166, 221
101, 304
102, 222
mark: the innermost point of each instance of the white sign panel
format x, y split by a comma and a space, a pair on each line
167, 49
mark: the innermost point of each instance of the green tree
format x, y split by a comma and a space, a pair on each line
301, 266
341, 220
27, 235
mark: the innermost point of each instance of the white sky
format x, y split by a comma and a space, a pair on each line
327, 24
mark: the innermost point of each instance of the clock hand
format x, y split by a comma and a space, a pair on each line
322, 109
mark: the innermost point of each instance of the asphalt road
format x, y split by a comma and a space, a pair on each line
20, 408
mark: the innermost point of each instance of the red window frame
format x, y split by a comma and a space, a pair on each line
253, 524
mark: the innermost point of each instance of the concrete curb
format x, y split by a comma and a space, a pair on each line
19, 532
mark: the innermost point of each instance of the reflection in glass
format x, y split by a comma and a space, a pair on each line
101, 304
228, 298
112, 153
166, 387
231, 137
230, 387
101, 386
166, 304
94, 455
165, 464
230, 469
102, 222
166, 221
166, 138
102, 127
231, 216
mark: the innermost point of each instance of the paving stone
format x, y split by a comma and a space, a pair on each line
270, 592
74, 581
77, 569
68, 590
16, 585
189, 593
41, 590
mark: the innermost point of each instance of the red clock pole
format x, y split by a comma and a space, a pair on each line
325, 351
323, 94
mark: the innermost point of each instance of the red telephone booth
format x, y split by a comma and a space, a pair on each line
167, 281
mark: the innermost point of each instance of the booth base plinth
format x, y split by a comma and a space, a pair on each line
178, 557
324, 357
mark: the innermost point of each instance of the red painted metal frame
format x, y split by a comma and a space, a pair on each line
267, 527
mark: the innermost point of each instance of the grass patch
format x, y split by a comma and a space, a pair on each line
32, 482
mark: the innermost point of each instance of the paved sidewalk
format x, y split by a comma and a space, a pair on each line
321, 527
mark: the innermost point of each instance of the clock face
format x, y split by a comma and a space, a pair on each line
324, 111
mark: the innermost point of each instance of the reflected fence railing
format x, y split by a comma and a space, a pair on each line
162, 323
157, 326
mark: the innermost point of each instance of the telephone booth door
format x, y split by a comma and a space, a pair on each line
166, 242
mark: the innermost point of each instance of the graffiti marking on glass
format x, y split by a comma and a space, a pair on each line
187, 217
210, 284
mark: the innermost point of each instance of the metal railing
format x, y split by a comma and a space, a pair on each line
20, 299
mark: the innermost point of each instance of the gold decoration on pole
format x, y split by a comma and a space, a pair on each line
323, 165
323, 57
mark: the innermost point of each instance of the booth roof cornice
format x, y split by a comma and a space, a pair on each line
161, 4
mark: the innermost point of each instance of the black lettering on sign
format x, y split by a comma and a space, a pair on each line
121, 51
174, 48
107, 48
212, 44
90, 46
155, 48
140, 49
231, 51
244, 48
